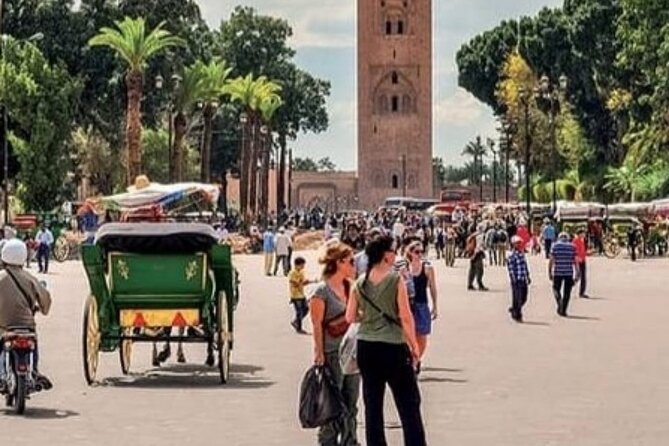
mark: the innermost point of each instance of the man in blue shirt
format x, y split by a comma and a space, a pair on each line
519, 274
548, 234
268, 250
563, 272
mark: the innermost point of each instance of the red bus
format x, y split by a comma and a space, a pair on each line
460, 197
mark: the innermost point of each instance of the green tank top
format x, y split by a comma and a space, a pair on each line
373, 326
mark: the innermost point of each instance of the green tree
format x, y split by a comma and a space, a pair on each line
304, 164
135, 46
625, 181
39, 98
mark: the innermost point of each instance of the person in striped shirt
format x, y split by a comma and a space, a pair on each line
563, 271
519, 274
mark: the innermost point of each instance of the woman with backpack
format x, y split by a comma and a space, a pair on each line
328, 317
387, 348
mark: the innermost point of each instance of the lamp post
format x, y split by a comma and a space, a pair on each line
264, 183
491, 144
525, 101
548, 98
505, 148
160, 84
243, 168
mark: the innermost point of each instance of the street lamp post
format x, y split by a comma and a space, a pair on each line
491, 143
243, 168
160, 84
505, 148
548, 95
525, 101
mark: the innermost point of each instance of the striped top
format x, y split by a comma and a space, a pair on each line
563, 254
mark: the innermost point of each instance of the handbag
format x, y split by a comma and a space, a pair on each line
348, 351
320, 400
336, 329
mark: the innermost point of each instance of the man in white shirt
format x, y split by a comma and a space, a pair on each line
282, 246
45, 239
398, 231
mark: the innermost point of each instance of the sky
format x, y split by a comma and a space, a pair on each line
325, 38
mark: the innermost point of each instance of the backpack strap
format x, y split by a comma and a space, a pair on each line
390, 319
22, 290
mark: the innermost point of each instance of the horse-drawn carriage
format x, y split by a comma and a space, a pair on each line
150, 280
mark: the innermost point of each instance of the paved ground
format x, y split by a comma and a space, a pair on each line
599, 378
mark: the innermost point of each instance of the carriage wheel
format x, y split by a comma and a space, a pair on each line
91, 340
612, 248
223, 338
61, 250
125, 352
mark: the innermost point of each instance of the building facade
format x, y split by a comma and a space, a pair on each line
394, 99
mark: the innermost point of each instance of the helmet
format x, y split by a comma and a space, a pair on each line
14, 252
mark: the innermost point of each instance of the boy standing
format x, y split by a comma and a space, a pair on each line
296, 283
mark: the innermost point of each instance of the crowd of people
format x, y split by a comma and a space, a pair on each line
379, 271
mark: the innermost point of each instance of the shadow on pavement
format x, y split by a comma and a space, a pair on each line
441, 369
191, 376
42, 413
583, 318
435, 379
536, 324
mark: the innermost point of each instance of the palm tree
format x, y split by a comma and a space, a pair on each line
250, 93
135, 45
477, 151
626, 180
216, 84
268, 109
189, 91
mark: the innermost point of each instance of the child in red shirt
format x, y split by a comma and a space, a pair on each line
581, 257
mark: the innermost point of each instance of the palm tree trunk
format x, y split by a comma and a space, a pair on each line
180, 129
281, 178
253, 187
134, 125
205, 169
267, 147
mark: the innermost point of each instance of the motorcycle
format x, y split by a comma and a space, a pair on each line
18, 350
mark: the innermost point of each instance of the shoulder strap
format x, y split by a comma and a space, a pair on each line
386, 316
22, 290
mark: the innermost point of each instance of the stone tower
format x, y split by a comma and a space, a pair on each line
394, 99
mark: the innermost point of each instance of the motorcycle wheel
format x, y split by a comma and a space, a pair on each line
20, 394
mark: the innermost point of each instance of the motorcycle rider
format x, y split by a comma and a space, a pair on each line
21, 296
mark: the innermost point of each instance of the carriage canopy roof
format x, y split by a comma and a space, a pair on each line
156, 238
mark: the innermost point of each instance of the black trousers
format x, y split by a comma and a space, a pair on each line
283, 261
301, 311
519, 293
476, 268
548, 245
562, 286
381, 363
43, 258
584, 279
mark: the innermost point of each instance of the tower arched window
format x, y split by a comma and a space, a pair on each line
382, 104
400, 27
389, 27
395, 104
395, 181
407, 104
394, 78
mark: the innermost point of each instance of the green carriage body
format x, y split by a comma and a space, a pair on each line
133, 285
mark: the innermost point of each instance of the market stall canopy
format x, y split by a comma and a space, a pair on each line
584, 210
630, 209
661, 207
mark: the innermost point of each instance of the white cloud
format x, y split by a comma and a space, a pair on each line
459, 110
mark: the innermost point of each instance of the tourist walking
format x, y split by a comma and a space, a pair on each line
476, 251
282, 245
502, 244
328, 317
580, 245
563, 272
440, 241
268, 250
519, 274
423, 276
387, 346
45, 239
450, 248
548, 235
